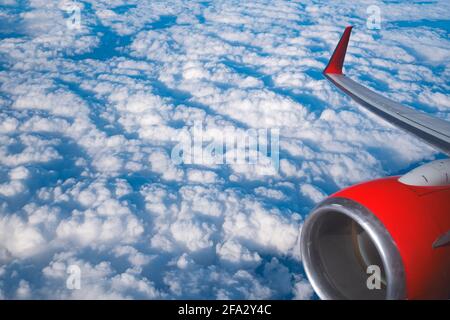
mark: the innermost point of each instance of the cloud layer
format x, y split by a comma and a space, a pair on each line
89, 116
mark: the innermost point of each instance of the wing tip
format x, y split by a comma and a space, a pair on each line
337, 59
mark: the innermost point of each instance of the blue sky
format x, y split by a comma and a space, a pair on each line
89, 117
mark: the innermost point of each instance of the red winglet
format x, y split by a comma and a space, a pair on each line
337, 59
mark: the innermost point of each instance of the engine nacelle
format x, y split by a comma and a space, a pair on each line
400, 228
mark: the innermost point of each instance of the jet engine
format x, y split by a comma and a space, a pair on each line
397, 227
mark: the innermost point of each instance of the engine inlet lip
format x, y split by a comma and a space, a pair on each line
387, 248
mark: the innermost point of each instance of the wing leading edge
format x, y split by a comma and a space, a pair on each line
434, 131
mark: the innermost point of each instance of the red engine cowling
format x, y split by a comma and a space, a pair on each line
384, 223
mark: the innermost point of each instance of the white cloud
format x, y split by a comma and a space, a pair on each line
19, 238
202, 176
24, 290
87, 229
312, 192
233, 253
162, 164
89, 117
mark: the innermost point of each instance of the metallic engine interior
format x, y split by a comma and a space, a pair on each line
339, 244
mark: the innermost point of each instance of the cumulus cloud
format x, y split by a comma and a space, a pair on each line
89, 118
19, 238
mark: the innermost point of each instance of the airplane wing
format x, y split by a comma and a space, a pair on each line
434, 131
